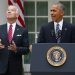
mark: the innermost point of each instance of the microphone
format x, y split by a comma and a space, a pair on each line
59, 34
52, 32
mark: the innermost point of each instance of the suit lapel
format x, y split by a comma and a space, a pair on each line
15, 32
64, 30
5, 32
52, 29
51, 32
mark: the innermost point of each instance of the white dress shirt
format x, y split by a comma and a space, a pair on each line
60, 25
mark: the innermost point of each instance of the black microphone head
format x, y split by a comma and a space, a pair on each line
52, 32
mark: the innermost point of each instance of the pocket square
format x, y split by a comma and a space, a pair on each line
19, 35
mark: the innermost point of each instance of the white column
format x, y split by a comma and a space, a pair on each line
3, 8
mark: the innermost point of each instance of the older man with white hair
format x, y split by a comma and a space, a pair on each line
14, 43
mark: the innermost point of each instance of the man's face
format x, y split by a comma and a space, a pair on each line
56, 13
12, 12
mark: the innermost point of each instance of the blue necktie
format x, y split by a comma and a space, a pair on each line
57, 33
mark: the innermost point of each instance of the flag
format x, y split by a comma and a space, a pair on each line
19, 4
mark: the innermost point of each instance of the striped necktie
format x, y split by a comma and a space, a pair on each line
58, 37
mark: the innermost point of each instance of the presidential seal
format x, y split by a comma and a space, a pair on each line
56, 56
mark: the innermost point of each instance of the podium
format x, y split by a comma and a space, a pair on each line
40, 65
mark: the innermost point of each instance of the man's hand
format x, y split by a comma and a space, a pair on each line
12, 47
1, 45
30, 48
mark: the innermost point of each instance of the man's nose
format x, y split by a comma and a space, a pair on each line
9, 11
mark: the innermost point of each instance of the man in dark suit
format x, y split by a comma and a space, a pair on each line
48, 33
11, 50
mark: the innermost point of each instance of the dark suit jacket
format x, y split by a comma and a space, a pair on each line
11, 60
47, 33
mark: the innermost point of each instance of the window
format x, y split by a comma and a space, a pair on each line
36, 14
69, 11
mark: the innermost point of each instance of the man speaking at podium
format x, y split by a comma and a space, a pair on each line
56, 31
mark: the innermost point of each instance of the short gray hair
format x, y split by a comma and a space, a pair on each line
61, 6
17, 10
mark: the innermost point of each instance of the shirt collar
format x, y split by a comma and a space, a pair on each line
14, 24
60, 24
